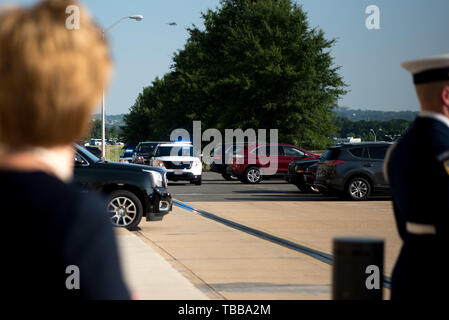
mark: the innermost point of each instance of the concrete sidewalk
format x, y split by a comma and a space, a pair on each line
148, 275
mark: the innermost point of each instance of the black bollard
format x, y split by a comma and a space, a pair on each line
358, 269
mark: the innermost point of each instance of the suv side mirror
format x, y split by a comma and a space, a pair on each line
79, 162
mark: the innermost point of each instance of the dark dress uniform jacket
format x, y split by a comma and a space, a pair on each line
419, 179
49, 226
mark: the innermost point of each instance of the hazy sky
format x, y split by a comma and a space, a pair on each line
369, 59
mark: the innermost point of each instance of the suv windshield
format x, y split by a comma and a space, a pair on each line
173, 151
146, 148
87, 153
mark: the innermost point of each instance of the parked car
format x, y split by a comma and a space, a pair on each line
219, 155
310, 178
94, 150
353, 170
144, 152
254, 172
179, 161
297, 174
133, 191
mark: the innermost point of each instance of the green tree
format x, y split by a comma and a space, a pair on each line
257, 64
111, 132
157, 111
95, 131
361, 129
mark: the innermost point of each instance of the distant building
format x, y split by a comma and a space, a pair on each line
347, 140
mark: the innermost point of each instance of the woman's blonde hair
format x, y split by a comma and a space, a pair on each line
50, 77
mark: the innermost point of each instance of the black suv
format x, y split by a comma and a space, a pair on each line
144, 152
353, 170
297, 174
133, 191
94, 150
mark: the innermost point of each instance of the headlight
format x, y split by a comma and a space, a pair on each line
196, 163
299, 170
158, 178
158, 163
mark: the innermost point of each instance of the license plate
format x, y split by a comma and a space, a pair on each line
178, 173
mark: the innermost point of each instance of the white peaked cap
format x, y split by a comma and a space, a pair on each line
429, 70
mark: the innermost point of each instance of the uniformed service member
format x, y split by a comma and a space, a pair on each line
418, 172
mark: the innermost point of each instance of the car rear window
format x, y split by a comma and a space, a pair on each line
293, 152
378, 152
331, 154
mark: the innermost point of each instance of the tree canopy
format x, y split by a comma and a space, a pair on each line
255, 64
384, 130
111, 132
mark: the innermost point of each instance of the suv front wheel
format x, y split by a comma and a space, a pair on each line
197, 182
125, 209
358, 189
252, 175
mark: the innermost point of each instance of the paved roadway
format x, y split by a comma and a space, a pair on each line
215, 188
229, 264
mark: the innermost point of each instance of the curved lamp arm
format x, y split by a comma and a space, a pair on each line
135, 17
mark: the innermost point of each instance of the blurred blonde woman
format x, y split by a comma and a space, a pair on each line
51, 79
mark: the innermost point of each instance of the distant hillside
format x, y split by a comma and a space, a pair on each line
373, 115
353, 115
111, 120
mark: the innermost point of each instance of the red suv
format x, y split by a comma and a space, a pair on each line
251, 162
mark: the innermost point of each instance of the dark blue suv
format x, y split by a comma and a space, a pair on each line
354, 171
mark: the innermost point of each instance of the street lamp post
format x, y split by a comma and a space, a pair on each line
103, 114
375, 137
374, 133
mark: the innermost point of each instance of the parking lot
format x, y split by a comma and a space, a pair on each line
216, 189
216, 237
